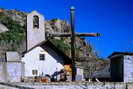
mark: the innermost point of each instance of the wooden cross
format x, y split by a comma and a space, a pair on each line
73, 35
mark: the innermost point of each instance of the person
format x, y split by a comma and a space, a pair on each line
63, 76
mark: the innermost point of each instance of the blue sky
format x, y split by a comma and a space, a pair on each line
112, 18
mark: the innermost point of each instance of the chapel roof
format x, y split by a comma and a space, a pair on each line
48, 43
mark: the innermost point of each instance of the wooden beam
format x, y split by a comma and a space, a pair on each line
88, 34
77, 35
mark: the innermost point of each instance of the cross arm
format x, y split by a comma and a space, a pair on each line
78, 35
88, 34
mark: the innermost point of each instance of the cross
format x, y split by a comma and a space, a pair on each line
73, 35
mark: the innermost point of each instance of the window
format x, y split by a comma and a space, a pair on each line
35, 21
34, 72
42, 57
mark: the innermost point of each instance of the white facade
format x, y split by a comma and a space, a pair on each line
43, 67
37, 34
128, 68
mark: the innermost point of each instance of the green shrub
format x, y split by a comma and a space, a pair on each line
16, 33
61, 45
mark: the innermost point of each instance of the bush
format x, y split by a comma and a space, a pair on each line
16, 33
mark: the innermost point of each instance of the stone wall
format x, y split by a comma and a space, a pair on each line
128, 71
83, 85
11, 71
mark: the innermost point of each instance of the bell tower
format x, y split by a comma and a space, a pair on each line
35, 29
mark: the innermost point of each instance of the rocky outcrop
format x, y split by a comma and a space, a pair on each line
3, 28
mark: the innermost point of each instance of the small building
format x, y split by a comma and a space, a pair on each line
11, 68
44, 59
121, 66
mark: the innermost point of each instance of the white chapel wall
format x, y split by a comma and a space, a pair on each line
128, 68
32, 62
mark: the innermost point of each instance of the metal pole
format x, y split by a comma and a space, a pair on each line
72, 14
